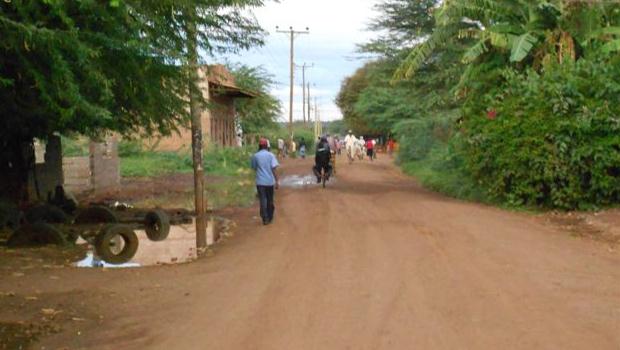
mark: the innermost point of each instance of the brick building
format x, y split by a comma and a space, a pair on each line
219, 122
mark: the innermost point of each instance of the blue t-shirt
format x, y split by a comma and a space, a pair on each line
264, 162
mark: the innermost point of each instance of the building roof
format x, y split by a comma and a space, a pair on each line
223, 82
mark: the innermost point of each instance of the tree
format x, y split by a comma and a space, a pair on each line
93, 66
69, 66
530, 31
402, 22
379, 103
262, 111
191, 26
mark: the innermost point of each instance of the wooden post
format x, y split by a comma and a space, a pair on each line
196, 110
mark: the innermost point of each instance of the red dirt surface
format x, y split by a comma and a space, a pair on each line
371, 262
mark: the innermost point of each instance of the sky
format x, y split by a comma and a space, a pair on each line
335, 26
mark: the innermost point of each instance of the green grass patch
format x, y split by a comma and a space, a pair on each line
441, 173
152, 164
217, 161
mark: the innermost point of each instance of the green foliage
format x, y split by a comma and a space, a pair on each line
74, 146
152, 164
518, 29
402, 23
336, 127
556, 139
218, 161
88, 67
534, 122
299, 131
417, 137
262, 111
129, 147
442, 171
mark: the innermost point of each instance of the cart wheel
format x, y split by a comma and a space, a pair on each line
116, 244
157, 225
38, 234
15, 220
46, 213
96, 215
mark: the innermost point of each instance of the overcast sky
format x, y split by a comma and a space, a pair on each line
336, 26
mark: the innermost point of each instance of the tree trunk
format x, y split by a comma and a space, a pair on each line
197, 142
16, 161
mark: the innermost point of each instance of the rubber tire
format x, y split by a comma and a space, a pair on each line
35, 235
46, 213
157, 225
96, 215
16, 220
105, 237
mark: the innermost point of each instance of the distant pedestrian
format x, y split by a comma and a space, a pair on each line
390, 146
280, 148
302, 148
265, 164
370, 148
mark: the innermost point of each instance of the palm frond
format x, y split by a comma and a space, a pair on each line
522, 46
475, 51
420, 53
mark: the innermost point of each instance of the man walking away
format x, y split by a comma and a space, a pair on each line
370, 148
265, 164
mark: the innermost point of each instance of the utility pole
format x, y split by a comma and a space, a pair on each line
196, 110
292, 34
303, 86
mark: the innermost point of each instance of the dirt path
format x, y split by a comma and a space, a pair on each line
371, 262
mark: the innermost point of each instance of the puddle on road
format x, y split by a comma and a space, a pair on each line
300, 181
178, 248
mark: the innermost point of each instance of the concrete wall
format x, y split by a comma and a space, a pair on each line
77, 174
105, 166
98, 173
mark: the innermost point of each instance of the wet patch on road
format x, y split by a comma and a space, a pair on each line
301, 181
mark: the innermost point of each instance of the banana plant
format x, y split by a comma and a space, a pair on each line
519, 29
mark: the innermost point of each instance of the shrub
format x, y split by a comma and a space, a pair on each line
128, 148
418, 136
550, 139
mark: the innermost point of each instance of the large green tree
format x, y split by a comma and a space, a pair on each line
521, 31
96, 66
262, 111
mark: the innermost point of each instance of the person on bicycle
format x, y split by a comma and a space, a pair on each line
322, 160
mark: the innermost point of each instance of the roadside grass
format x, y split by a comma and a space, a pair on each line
437, 174
238, 191
152, 164
448, 183
230, 167
441, 173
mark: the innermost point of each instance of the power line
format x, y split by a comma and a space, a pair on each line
303, 87
291, 32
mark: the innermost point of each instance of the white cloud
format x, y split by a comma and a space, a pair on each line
336, 26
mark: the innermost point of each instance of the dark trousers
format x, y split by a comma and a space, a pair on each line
318, 167
265, 195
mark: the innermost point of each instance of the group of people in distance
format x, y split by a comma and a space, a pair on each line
356, 148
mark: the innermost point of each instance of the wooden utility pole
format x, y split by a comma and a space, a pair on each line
303, 86
292, 33
196, 110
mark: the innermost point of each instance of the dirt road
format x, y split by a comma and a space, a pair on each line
371, 262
